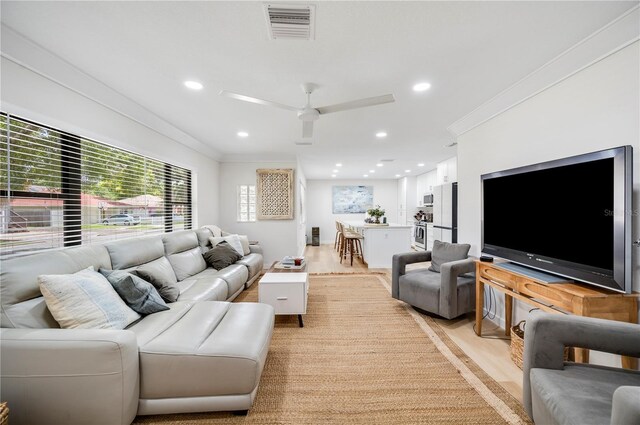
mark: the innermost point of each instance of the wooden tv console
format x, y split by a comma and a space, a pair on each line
565, 298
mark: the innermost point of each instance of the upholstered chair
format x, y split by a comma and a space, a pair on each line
559, 392
446, 288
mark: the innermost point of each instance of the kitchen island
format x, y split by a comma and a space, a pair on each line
382, 242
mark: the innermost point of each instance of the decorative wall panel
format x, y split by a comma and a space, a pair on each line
275, 194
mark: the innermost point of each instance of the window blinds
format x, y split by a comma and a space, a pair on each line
58, 189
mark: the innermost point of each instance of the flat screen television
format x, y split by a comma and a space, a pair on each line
570, 217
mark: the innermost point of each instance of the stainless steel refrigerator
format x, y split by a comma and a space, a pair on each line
445, 212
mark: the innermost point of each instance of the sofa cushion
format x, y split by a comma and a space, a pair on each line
162, 277
221, 255
137, 293
186, 264
236, 275
244, 241
232, 240
204, 286
253, 262
85, 300
203, 349
420, 288
203, 235
579, 394
128, 253
180, 241
22, 302
444, 252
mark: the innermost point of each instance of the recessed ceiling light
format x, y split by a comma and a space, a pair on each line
338, 165
243, 134
334, 171
381, 134
333, 175
379, 164
421, 165
407, 171
193, 85
365, 175
421, 87
397, 175
372, 171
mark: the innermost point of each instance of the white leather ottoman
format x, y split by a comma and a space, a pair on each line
286, 292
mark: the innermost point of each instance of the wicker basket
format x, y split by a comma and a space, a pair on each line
517, 344
4, 414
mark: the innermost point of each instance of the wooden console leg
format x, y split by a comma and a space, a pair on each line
508, 314
300, 322
479, 306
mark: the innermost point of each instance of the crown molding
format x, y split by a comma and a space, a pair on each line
613, 37
26, 53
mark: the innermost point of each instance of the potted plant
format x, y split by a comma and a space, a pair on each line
376, 212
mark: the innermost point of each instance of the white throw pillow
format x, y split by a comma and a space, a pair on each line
85, 300
244, 240
232, 240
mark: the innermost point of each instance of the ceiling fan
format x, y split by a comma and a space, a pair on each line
308, 114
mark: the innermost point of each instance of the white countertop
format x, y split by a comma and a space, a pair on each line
361, 224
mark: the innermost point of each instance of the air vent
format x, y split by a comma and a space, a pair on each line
290, 21
387, 160
303, 143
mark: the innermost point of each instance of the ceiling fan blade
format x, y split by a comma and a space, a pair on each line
361, 103
242, 97
307, 129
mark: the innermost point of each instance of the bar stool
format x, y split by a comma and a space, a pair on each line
336, 243
351, 244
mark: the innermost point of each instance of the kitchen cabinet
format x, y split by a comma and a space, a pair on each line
424, 184
406, 199
447, 171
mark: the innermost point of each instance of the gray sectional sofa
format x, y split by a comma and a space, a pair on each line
203, 354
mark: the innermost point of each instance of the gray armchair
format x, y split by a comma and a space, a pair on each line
559, 392
449, 293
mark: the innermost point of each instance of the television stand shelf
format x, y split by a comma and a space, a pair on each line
564, 298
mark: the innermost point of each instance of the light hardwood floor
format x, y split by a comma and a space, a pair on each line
491, 352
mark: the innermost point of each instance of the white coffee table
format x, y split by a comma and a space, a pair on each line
286, 292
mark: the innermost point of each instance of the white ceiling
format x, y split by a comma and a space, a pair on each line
468, 51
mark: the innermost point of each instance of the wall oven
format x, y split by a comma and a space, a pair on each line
420, 234
427, 199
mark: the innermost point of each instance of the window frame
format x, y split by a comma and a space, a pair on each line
248, 203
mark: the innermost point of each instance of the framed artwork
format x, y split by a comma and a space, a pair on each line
274, 194
352, 199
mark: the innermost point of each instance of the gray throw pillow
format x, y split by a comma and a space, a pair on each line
161, 275
221, 256
444, 252
139, 294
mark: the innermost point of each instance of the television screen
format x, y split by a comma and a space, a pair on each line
566, 216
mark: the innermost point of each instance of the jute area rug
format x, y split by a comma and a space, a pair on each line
364, 358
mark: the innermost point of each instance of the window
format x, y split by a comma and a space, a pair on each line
58, 189
247, 202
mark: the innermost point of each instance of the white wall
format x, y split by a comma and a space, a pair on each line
29, 95
301, 208
320, 207
595, 109
278, 238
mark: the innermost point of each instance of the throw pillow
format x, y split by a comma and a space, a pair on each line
232, 240
85, 300
161, 275
139, 294
244, 241
444, 252
222, 255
